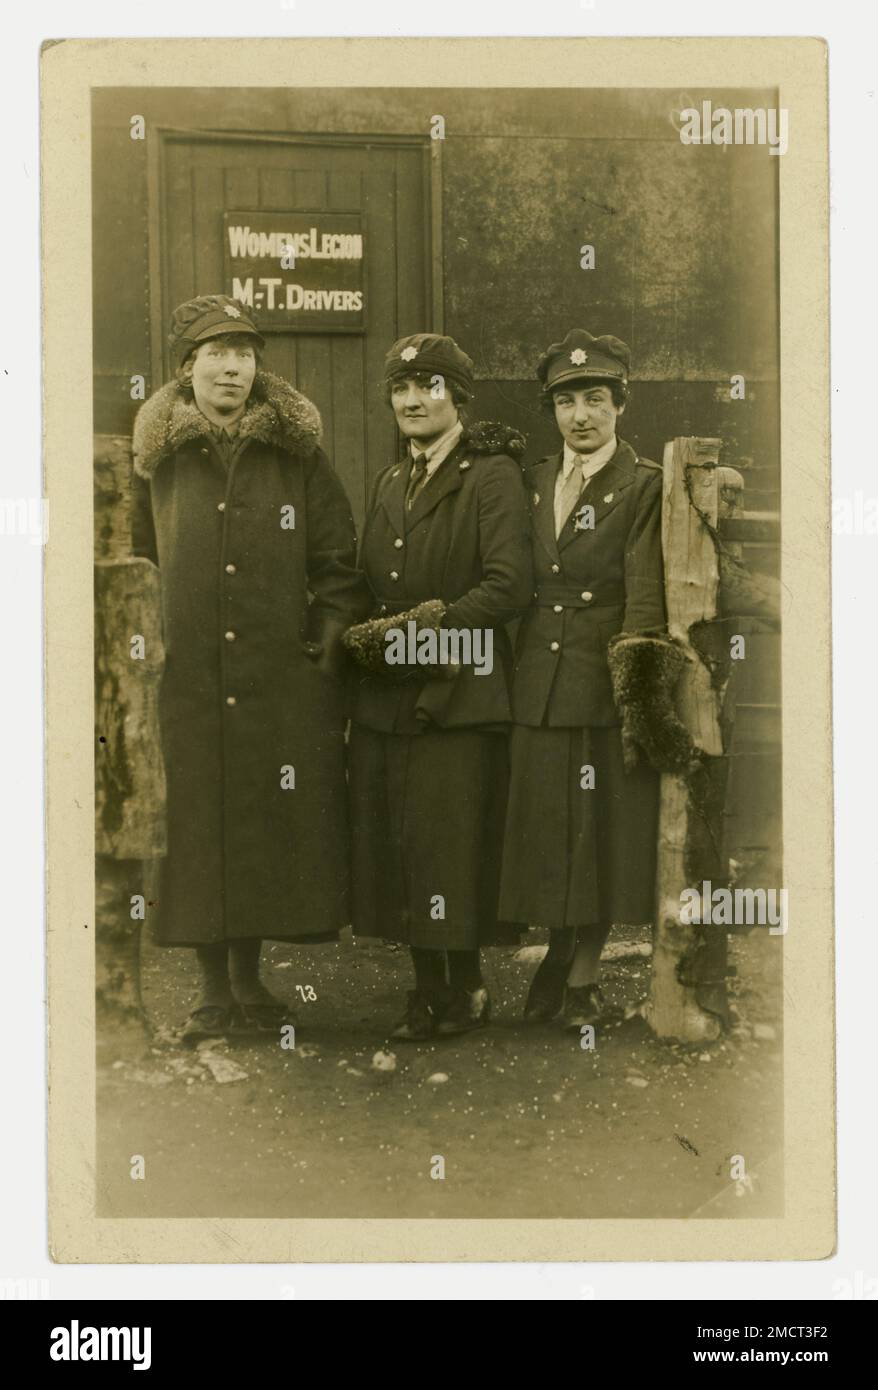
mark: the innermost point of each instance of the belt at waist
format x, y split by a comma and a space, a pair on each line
549, 594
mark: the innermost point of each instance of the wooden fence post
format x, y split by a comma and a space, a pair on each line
709, 590
690, 807
129, 772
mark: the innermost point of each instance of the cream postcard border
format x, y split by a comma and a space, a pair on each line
797, 68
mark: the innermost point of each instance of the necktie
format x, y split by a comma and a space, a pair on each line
568, 497
416, 480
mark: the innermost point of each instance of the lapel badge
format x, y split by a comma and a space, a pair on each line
609, 497
466, 464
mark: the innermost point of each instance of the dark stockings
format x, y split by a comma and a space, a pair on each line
586, 966
574, 955
229, 971
434, 970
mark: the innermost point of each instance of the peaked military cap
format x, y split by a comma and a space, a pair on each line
581, 357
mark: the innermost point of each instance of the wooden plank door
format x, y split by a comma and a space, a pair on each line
388, 184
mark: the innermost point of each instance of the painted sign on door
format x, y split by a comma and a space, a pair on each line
298, 270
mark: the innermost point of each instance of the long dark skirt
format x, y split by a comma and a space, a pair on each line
576, 857
427, 813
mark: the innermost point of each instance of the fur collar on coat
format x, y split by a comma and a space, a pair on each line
492, 437
276, 414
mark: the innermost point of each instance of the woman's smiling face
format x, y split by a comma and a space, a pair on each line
223, 370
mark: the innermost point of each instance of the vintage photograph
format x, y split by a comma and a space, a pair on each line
438, 512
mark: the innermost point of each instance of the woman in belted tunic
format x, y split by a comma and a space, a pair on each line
445, 548
580, 847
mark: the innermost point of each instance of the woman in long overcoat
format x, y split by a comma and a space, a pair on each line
253, 536
446, 528
580, 848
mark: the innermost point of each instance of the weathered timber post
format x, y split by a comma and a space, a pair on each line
708, 590
690, 805
129, 772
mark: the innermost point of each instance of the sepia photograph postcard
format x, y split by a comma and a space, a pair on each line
437, 598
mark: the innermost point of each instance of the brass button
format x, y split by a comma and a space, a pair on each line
230, 636
394, 574
220, 506
398, 543
587, 595
555, 647
231, 569
556, 569
557, 608
230, 700
205, 450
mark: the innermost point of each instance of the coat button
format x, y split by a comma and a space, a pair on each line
220, 506
231, 569
205, 450
554, 646
398, 543
557, 608
230, 700
230, 636
556, 569
394, 574
587, 595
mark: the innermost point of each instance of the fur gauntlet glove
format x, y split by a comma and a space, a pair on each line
644, 672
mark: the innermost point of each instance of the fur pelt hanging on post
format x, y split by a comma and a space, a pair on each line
644, 672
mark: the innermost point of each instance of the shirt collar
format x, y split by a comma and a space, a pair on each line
589, 463
439, 449
225, 431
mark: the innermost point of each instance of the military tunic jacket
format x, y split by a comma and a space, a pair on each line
602, 575
464, 541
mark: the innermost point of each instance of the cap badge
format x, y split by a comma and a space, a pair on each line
578, 357
232, 312
408, 353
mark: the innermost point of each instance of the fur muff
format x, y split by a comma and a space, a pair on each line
366, 642
276, 414
644, 672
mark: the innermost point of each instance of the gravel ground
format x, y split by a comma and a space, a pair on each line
527, 1122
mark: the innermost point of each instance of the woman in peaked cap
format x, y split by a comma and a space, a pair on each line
444, 549
237, 504
580, 845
